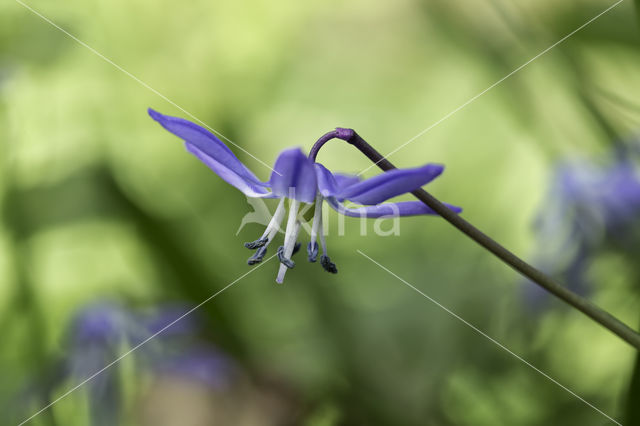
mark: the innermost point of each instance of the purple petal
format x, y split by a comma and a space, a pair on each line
203, 364
403, 208
248, 187
170, 320
101, 322
343, 179
294, 176
330, 184
390, 184
327, 184
215, 154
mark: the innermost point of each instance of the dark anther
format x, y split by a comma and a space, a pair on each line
327, 264
312, 252
286, 262
257, 243
257, 256
296, 248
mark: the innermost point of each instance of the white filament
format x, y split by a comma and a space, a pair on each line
317, 221
274, 224
290, 237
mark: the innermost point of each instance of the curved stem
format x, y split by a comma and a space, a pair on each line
583, 305
338, 133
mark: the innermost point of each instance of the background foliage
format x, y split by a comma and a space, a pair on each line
101, 204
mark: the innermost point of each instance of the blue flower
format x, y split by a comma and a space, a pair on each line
201, 364
299, 179
590, 207
100, 332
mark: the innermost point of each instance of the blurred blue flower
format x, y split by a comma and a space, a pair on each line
102, 332
589, 207
296, 177
202, 364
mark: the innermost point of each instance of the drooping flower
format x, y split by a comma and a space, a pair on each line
590, 208
102, 333
298, 178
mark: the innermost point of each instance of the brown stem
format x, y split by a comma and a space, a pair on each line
583, 305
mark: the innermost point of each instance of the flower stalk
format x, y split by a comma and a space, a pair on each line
576, 301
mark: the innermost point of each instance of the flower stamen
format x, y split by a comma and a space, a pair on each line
312, 247
286, 262
325, 260
296, 248
257, 256
257, 243
290, 238
272, 228
328, 265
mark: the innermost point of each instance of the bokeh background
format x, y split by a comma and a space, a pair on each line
107, 221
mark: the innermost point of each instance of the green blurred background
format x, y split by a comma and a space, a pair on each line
100, 203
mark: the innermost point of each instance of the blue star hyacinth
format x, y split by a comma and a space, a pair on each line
590, 207
301, 180
100, 332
